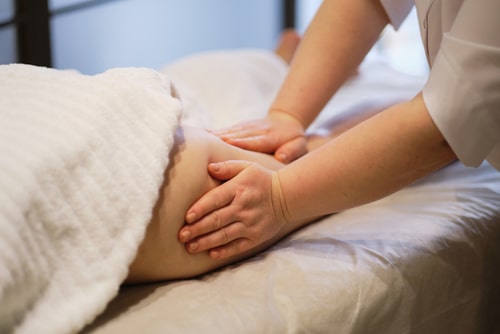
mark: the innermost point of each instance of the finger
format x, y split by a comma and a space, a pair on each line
291, 150
230, 132
209, 223
218, 238
226, 170
257, 143
233, 248
241, 130
220, 196
211, 201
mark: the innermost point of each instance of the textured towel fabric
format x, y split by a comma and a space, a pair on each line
81, 162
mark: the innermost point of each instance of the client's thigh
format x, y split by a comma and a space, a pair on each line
161, 256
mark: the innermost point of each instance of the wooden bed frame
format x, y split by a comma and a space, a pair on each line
32, 23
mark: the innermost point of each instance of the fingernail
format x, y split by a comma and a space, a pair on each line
215, 167
193, 246
214, 254
282, 157
185, 235
190, 217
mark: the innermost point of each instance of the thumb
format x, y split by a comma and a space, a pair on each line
291, 150
226, 170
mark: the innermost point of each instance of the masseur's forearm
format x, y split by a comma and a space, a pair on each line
371, 160
335, 43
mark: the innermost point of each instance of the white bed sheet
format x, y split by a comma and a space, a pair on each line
423, 260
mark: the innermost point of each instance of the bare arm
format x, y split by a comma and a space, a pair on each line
375, 158
335, 43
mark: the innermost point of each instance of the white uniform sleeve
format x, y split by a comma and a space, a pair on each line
397, 10
463, 90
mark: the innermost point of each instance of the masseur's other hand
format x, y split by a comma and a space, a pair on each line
236, 216
279, 133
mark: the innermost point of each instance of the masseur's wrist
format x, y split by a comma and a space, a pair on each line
282, 114
280, 207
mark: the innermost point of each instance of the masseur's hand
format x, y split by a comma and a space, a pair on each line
279, 133
238, 215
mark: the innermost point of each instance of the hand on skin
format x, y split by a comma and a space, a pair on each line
238, 215
280, 134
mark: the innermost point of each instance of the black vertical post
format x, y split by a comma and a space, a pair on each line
289, 14
33, 32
